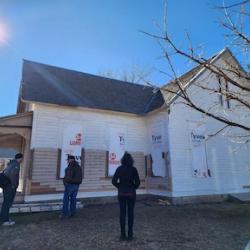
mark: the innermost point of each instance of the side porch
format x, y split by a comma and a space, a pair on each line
15, 136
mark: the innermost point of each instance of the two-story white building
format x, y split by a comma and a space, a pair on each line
97, 119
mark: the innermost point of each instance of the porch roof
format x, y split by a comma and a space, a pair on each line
19, 124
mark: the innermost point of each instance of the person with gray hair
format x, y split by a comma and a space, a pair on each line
11, 173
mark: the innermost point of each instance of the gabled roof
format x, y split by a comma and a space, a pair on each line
170, 90
43, 83
49, 84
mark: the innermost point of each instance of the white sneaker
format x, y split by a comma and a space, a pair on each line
8, 223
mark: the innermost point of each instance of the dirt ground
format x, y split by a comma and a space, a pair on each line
157, 226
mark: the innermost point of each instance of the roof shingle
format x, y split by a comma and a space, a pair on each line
54, 85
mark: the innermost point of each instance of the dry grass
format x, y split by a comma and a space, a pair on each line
157, 226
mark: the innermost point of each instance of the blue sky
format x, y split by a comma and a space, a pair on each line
95, 36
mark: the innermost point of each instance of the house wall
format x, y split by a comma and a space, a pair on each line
47, 140
49, 120
228, 161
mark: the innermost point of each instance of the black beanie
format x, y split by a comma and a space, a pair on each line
18, 156
71, 157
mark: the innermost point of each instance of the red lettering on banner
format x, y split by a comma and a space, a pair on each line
112, 156
77, 140
112, 159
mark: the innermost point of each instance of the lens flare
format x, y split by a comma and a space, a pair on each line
3, 33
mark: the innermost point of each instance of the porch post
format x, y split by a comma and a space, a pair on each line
26, 165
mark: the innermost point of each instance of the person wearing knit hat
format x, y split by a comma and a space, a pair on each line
9, 190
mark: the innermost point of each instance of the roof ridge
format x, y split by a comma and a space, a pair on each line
84, 73
200, 69
199, 65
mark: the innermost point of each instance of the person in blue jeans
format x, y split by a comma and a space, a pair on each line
71, 181
126, 179
11, 172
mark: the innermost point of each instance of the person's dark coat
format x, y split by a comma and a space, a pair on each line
12, 172
126, 179
73, 174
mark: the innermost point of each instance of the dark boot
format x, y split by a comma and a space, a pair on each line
123, 236
130, 235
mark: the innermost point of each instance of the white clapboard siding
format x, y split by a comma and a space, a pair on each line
49, 121
230, 170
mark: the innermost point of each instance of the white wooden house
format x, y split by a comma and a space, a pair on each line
64, 112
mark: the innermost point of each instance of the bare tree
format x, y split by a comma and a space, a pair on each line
134, 75
233, 82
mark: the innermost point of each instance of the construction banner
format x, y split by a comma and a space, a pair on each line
158, 166
116, 149
198, 149
71, 145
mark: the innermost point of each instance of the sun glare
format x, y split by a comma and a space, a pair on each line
3, 33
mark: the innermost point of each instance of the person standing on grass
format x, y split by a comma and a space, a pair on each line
126, 179
11, 172
71, 181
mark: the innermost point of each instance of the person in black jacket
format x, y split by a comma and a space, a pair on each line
126, 179
9, 191
71, 181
